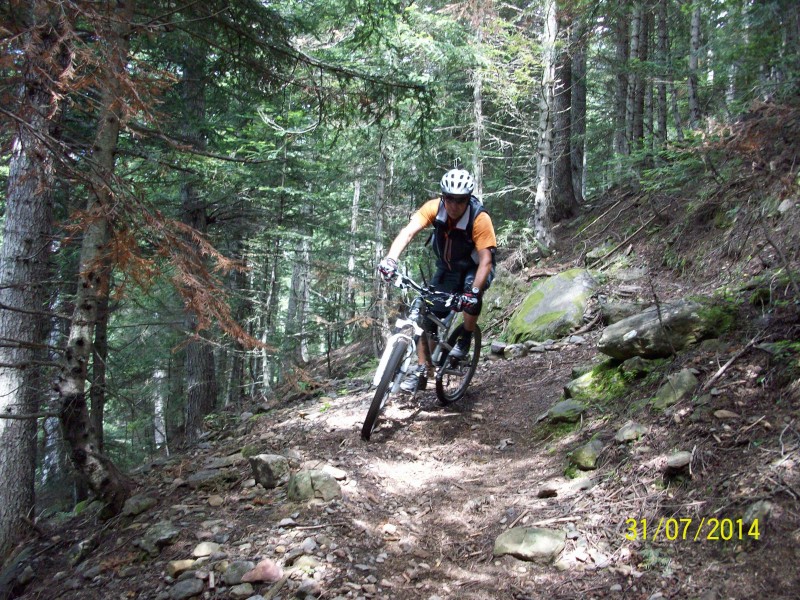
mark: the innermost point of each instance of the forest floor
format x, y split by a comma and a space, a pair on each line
424, 501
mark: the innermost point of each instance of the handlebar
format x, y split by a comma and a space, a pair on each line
403, 281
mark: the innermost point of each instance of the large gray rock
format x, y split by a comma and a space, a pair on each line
566, 411
188, 588
531, 543
137, 505
653, 335
157, 536
585, 457
270, 470
677, 387
630, 432
553, 308
313, 484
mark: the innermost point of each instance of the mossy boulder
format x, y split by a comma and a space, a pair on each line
677, 387
553, 308
604, 382
661, 331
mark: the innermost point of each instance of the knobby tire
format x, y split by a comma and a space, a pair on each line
448, 396
384, 388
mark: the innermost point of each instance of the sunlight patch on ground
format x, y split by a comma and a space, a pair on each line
402, 476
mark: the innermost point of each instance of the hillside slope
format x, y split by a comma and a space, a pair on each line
423, 503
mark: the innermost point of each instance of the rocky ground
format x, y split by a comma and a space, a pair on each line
425, 509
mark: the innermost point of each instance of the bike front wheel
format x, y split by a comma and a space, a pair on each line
454, 376
398, 353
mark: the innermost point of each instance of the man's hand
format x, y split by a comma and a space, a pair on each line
388, 269
468, 302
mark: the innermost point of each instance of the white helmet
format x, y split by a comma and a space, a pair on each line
457, 182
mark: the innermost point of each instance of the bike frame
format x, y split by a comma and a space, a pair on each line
409, 328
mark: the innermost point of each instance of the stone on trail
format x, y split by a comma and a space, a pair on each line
585, 457
205, 549
270, 470
158, 535
678, 386
176, 567
313, 484
243, 590
566, 411
187, 588
678, 463
658, 331
760, 511
531, 543
266, 570
234, 574
137, 505
630, 432
553, 308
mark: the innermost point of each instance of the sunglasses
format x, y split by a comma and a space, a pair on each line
455, 199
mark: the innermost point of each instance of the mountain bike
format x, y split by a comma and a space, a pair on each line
452, 375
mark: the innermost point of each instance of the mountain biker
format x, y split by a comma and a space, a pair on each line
464, 242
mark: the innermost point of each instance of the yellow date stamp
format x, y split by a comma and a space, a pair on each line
704, 529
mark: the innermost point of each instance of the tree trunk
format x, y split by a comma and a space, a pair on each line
541, 221
350, 290
477, 109
694, 57
564, 205
100, 473
201, 377
632, 114
621, 39
676, 113
661, 86
380, 295
297, 308
640, 91
97, 392
578, 110
23, 261
159, 383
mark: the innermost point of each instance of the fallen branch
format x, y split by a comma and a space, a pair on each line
727, 365
588, 325
25, 417
623, 242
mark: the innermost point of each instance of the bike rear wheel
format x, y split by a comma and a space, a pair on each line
453, 378
398, 353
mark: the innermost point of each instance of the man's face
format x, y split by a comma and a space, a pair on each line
455, 205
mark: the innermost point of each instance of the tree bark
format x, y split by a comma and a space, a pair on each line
23, 261
541, 221
640, 90
694, 58
661, 86
380, 295
578, 109
621, 39
350, 289
201, 377
477, 110
296, 339
99, 472
97, 392
632, 114
564, 204
159, 384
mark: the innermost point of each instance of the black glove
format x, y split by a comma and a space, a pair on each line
468, 302
388, 269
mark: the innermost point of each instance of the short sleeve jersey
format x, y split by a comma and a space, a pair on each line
482, 229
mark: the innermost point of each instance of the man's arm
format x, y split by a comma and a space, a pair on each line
484, 268
404, 238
